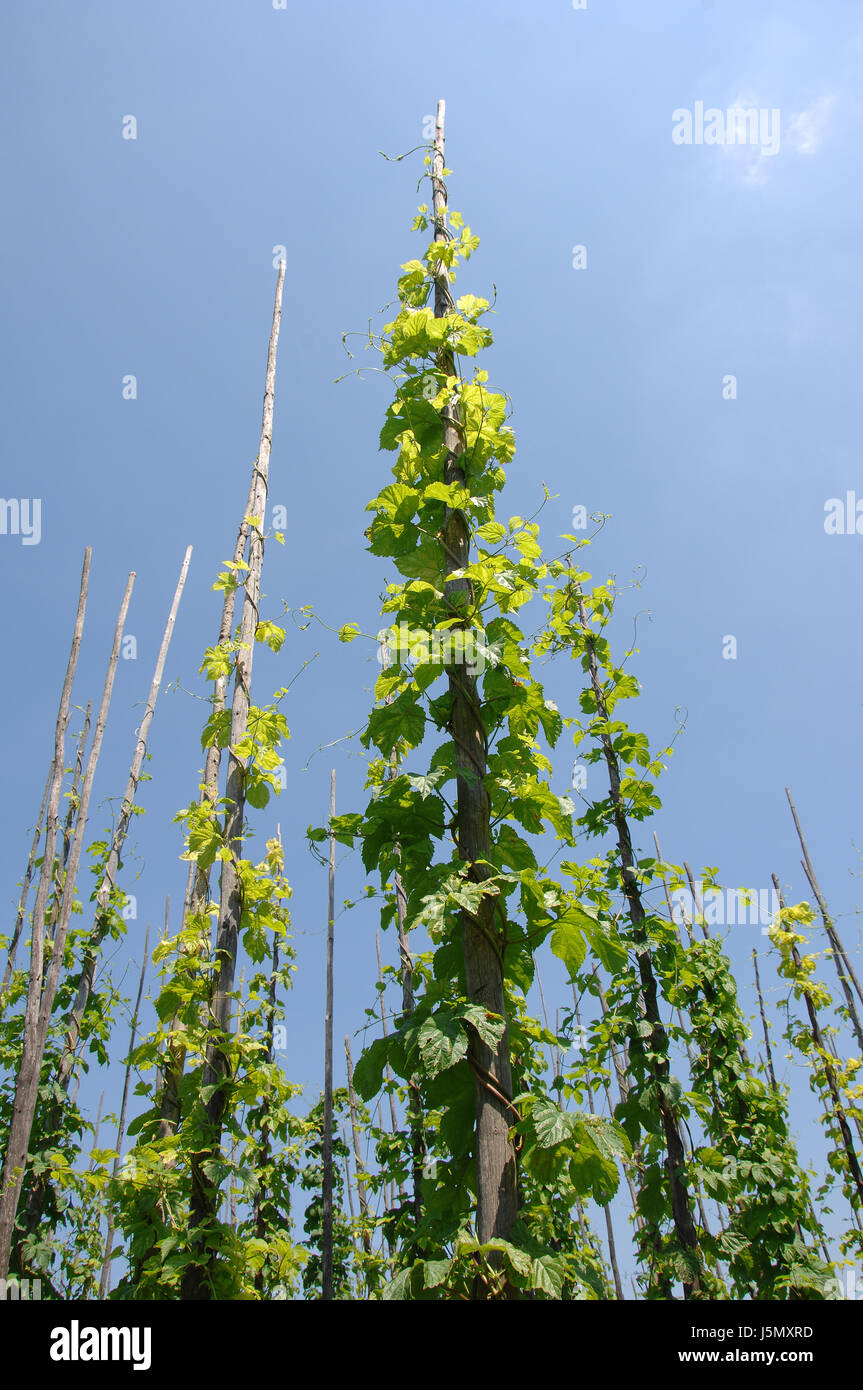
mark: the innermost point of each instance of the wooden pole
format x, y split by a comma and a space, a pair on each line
496, 1161
33, 1039
844, 968
830, 1077
205, 1195
102, 919
771, 1073
327, 1183
25, 888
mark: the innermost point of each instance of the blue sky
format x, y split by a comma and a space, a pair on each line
259, 127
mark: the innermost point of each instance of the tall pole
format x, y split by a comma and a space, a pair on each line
496, 1164
327, 1192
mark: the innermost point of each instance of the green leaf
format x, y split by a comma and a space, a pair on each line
442, 1043
435, 1272
568, 943
369, 1070
403, 719
512, 850
489, 1026
398, 1287
257, 792
492, 533
606, 944
548, 1274
551, 1124
270, 633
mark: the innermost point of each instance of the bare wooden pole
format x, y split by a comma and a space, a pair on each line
555, 1064
81, 817
496, 1159
771, 1073
327, 1151
830, 1076
348, 1182
102, 912
33, 1040
102, 918
205, 1196
841, 960
68, 824
25, 888
61, 913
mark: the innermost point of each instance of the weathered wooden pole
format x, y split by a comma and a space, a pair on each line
496, 1163
205, 1194
327, 1147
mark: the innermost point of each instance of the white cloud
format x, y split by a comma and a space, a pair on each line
749, 161
807, 128
800, 132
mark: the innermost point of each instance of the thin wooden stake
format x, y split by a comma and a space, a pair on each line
25, 887
197, 1283
830, 1077
33, 1040
844, 968
327, 1184
771, 1073
102, 917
